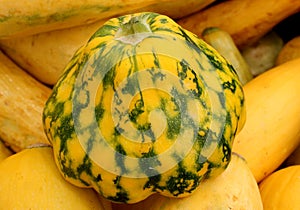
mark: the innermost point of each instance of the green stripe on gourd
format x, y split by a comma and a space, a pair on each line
145, 106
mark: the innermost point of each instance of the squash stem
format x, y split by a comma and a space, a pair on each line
134, 31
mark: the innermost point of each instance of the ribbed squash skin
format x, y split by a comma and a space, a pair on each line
154, 111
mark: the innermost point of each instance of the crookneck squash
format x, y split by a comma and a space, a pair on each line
145, 106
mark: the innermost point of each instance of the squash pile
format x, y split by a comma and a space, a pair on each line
128, 105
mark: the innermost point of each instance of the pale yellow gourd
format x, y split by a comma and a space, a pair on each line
30, 180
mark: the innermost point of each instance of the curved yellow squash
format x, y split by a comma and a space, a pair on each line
272, 130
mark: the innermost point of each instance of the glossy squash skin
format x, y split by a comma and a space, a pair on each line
144, 107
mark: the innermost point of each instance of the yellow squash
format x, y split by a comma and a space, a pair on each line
30, 180
235, 188
25, 17
45, 55
281, 189
22, 100
272, 130
246, 21
35, 16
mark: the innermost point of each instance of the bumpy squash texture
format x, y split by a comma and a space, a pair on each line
144, 107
